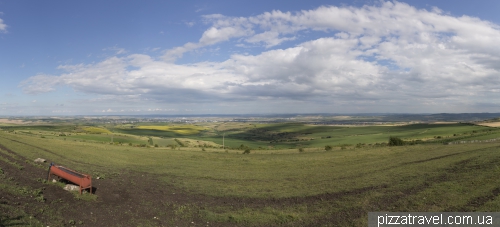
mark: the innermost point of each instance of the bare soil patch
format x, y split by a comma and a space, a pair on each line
490, 124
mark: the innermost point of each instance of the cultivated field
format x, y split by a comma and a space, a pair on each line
491, 124
171, 177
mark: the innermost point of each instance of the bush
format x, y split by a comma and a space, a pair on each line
301, 149
247, 151
395, 141
328, 148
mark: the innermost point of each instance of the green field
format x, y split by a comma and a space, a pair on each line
95, 130
282, 186
263, 136
300, 135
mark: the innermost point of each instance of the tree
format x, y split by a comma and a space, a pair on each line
395, 141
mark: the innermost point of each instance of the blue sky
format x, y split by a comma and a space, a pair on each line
199, 57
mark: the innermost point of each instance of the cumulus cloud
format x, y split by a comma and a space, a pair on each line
211, 36
3, 26
386, 56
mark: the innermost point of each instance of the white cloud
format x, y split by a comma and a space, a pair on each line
39, 84
3, 26
211, 36
389, 55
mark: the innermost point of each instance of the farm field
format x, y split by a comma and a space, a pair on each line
190, 180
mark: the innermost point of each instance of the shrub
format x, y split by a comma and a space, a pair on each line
301, 149
395, 141
328, 148
247, 151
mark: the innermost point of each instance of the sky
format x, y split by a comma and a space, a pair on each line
248, 57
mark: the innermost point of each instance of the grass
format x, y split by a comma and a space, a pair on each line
125, 139
161, 130
181, 130
266, 136
313, 184
214, 167
293, 135
95, 130
202, 172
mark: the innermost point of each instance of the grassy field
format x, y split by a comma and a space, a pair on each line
263, 136
284, 186
268, 187
182, 130
299, 135
95, 130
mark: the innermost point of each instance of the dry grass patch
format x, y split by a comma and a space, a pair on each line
490, 124
14, 122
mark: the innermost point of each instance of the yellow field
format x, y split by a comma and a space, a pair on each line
490, 124
95, 130
183, 130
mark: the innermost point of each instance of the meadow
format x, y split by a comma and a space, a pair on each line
276, 184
